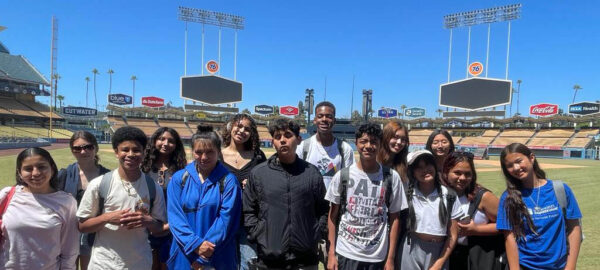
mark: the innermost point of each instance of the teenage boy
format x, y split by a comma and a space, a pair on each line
282, 204
121, 207
365, 199
327, 153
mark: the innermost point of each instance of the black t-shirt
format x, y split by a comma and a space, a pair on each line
244, 172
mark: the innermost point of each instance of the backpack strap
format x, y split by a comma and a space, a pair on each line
222, 183
561, 197
450, 199
343, 189
387, 182
103, 190
474, 205
151, 190
6, 201
340, 144
305, 147
184, 178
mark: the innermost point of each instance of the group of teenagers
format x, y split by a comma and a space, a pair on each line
310, 202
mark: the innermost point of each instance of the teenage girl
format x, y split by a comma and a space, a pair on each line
241, 153
204, 207
75, 178
434, 212
478, 228
164, 156
395, 148
539, 234
440, 144
39, 226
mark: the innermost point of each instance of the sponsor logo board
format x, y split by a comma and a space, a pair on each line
79, 111
543, 109
288, 110
153, 102
120, 99
263, 109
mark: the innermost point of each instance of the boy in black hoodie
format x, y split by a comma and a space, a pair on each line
283, 202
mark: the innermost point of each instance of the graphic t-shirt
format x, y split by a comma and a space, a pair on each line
548, 249
327, 159
362, 232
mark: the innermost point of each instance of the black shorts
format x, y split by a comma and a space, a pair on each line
349, 264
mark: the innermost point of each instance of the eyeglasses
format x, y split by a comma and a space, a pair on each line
399, 139
79, 148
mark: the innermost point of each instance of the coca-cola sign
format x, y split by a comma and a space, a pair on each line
543, 109
153, 102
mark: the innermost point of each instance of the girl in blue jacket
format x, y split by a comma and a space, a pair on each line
204, 207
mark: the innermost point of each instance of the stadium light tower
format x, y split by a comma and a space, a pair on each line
211, 18
308, 102
482, 16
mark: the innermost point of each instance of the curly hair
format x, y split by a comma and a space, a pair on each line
444, 216
253, 143
36, 151
398, 161
515, 208
177, 159
129, 133
371, 129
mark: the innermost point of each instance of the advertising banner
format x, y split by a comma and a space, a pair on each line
387, 112
414, 112
153, 102
79, 111
584, 108
288, 110
120, 99
263, 109
543, 109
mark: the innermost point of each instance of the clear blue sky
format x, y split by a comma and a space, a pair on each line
397, 48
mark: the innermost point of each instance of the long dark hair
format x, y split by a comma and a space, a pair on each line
89, 137
451, 161
399, 160
176, 161
435, 133
515, 207
36, 151
444, 216
253, 143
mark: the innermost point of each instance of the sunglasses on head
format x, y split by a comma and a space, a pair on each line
79, 148
468, 155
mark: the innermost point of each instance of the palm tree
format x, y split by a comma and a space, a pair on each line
60, 99
439, 111
576, 87
95, 71
402, 109
110, 73
133, 79
87, 88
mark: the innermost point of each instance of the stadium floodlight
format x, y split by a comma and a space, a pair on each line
481, 16
211, 17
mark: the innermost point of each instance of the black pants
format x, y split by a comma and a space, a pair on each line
349, 264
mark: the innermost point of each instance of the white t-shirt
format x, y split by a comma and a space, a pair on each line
327, 159
40, 231
427, 212
362, 232
116, 247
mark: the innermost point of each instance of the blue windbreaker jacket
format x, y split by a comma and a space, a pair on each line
198, 212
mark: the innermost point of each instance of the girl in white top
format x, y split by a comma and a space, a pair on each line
434, 212
459, 174
39, 227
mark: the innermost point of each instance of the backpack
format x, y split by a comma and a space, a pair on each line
103, 190
186, 175
306, 147
561, 197
343, 188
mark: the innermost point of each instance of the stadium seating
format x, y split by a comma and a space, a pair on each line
148, 126
17, 108
263, 133
586, 133
579, 142
181, 128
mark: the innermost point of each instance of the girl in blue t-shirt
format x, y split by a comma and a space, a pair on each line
537, 234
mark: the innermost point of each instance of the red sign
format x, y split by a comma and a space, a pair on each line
288, 110
212, 66
154, 102
475, 69
543, 109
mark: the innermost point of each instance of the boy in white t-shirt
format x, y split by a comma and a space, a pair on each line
368, 197
121, 217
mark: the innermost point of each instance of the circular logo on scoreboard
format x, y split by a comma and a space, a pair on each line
475, 69
212, 66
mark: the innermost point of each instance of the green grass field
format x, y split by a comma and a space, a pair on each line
580, 179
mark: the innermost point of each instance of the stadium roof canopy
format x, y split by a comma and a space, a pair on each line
17, 68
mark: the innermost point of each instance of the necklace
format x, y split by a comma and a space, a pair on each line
536, 208
129, 188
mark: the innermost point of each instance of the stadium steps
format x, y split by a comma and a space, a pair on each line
495, 137
532, 136
574, 135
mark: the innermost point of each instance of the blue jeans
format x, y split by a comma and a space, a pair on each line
246, 250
